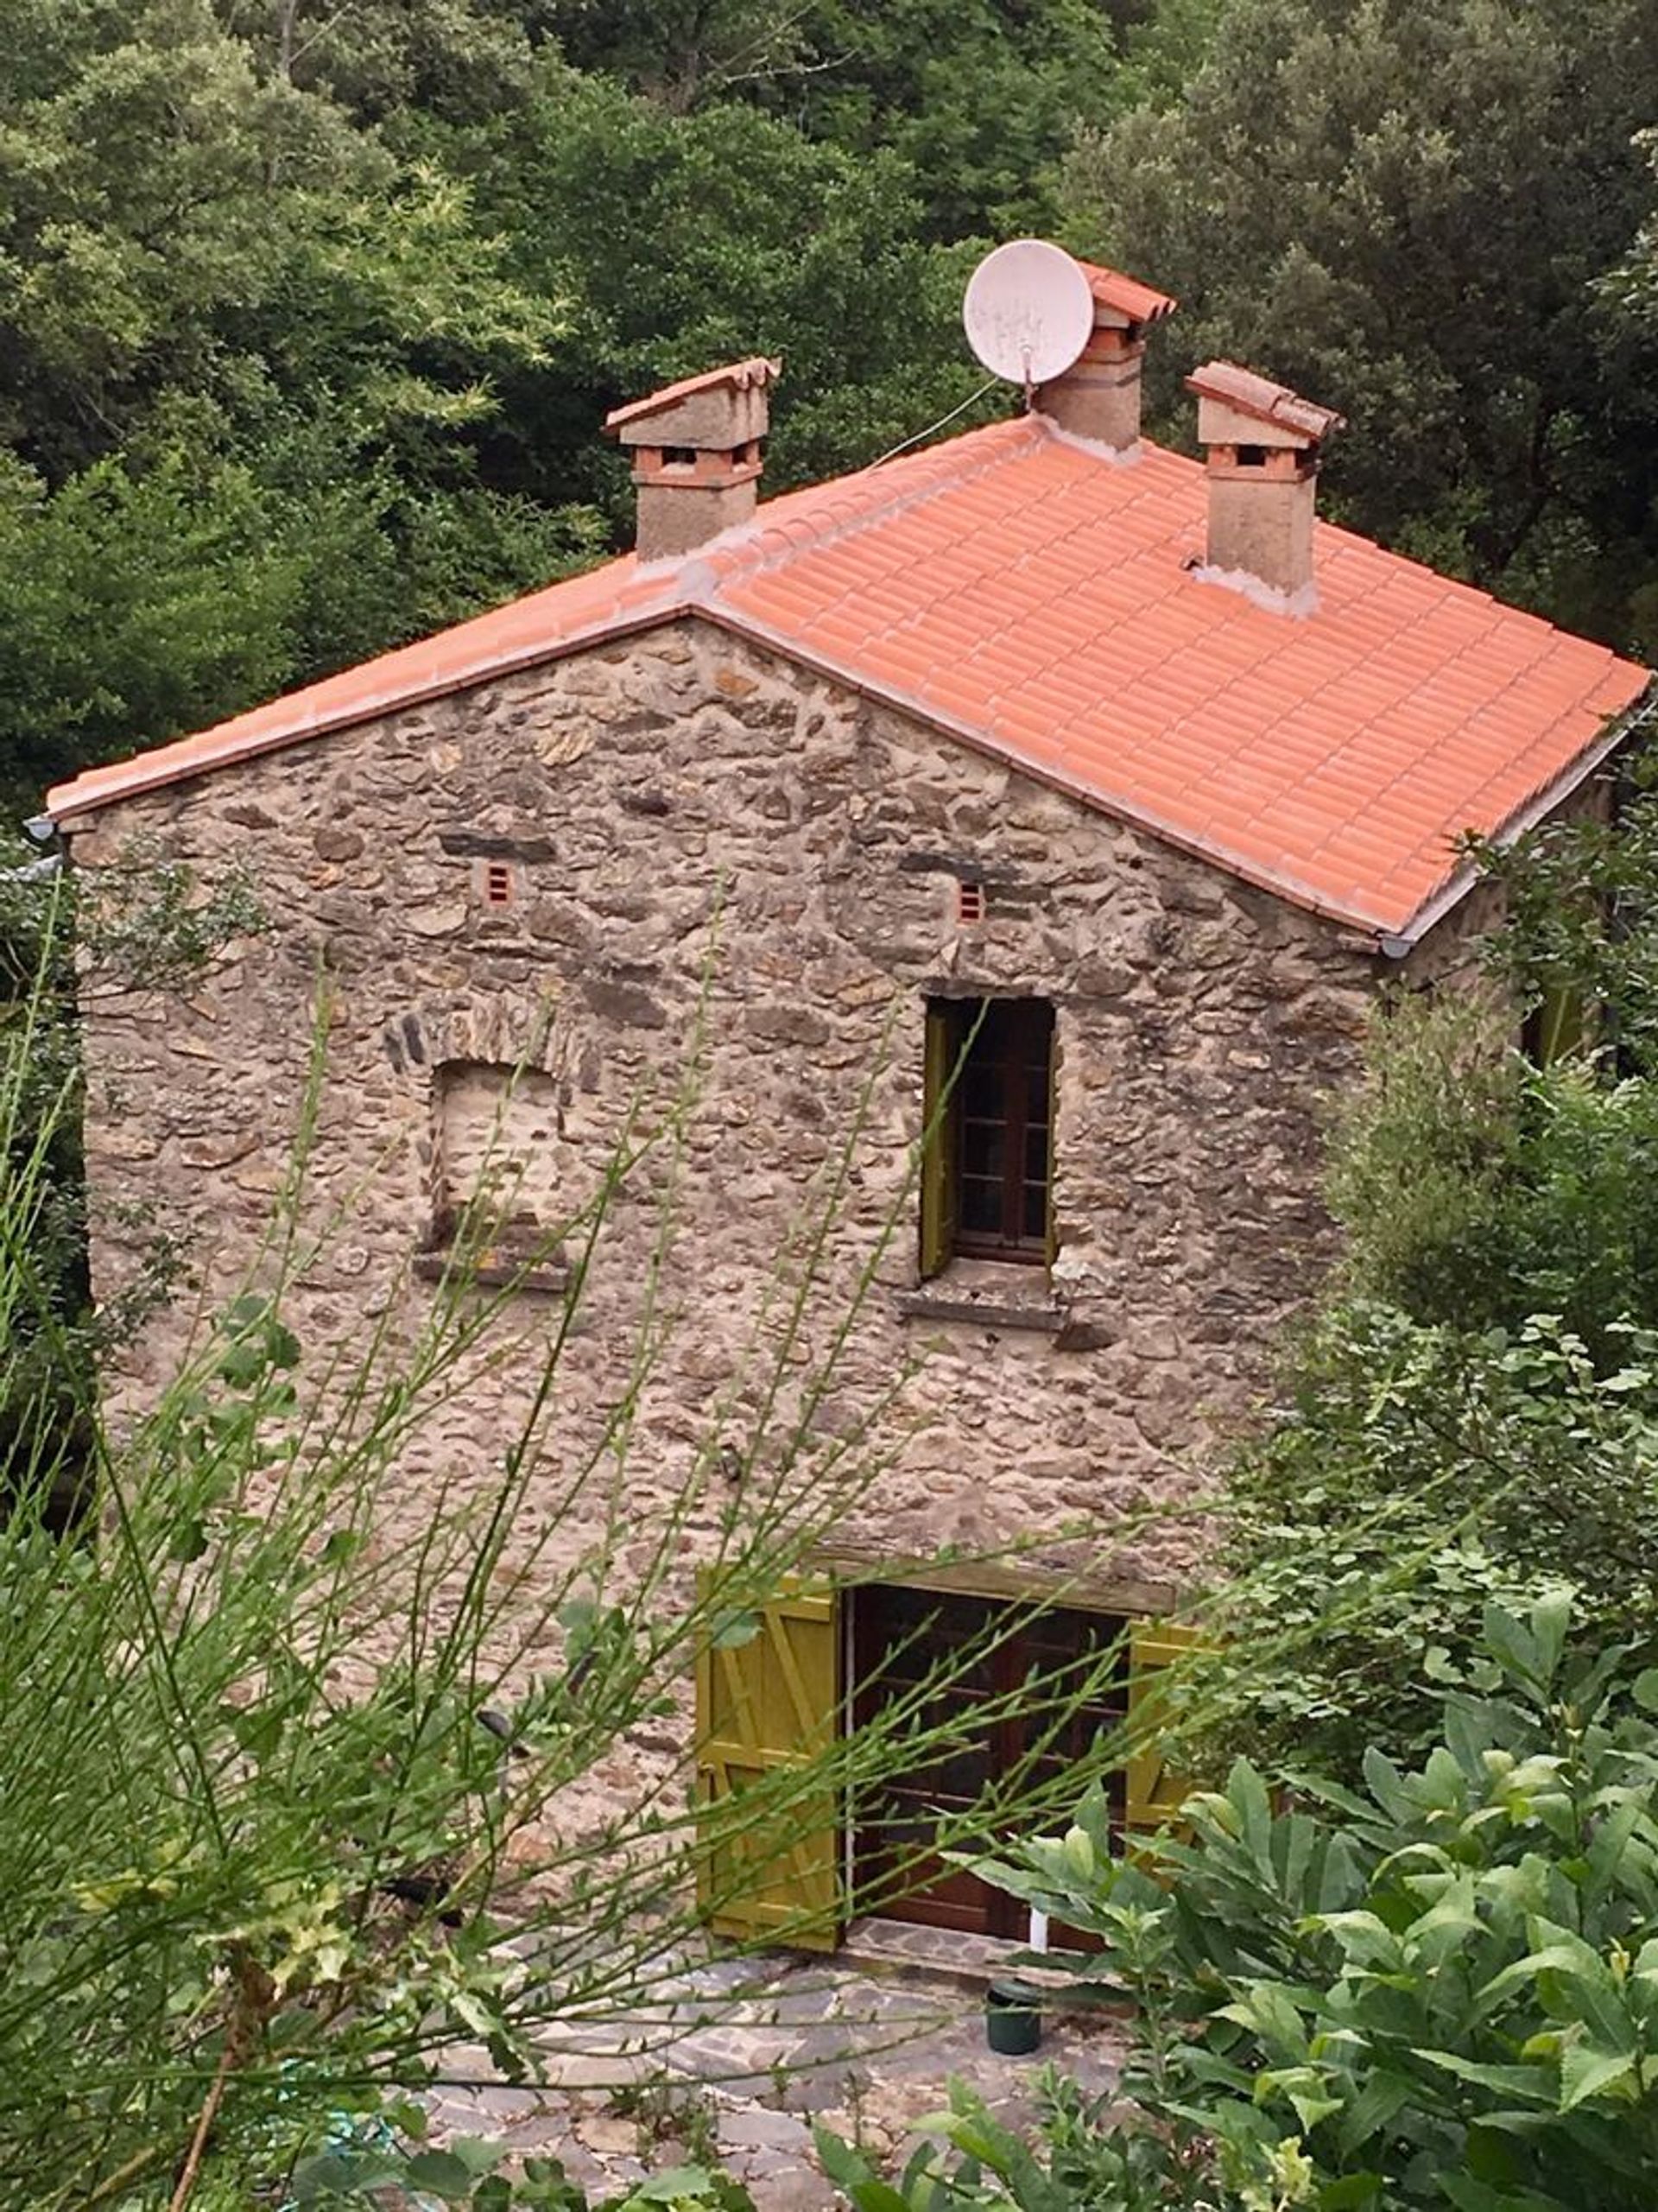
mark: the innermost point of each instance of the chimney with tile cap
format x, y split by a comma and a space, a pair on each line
1262, 444
696, 455
1098, 395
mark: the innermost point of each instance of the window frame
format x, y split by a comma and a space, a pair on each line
955, 1033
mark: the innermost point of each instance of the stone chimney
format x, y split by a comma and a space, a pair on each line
1098, 395
1262, 446
696, 449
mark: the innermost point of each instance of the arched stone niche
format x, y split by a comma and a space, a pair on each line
494, 1163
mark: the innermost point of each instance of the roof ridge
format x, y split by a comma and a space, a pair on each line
1035, 600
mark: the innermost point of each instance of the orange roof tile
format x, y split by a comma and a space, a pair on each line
1040, 602
739, 374
1259, 395
1127, 294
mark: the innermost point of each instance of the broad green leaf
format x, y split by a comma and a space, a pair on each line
1587, 2071
1471, 2196
1550, 1618
675, 2181
443, 2173
1247, 1793
1382, 2094
1266, 2009
851, 2172
1350, 2193
477, 2154
1365, 1938
1531, 2081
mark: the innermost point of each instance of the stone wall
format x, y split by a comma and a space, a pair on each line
733, 888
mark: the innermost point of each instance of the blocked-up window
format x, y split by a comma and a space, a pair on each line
988, 1166
496, 1142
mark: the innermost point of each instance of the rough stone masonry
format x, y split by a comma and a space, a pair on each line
727, 881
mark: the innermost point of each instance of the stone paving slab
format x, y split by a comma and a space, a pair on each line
737, 2058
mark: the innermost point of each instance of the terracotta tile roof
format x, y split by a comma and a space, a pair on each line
1138, 301
1259, 395
739, 374
1039, 603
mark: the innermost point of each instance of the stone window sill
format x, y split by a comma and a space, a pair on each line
988, 1294
496, 1268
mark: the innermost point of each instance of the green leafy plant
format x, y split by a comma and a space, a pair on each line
1442, 1990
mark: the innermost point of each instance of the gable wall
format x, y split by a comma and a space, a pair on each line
696, 827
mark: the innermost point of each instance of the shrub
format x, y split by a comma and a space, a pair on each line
1415, 1474
1476, 1190
1440, 1991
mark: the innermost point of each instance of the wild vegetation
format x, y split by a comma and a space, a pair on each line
311, 314
303, 1794
1440, 1989
1469, 1414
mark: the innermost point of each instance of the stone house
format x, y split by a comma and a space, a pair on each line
1043, 791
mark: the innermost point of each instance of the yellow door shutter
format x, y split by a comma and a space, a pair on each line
768, 1856
938, 1142
1154, 1792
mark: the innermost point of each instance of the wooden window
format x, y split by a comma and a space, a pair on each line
987, 1172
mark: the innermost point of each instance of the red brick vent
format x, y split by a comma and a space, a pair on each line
498, 883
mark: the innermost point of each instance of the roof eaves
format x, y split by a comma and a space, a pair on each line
66, 804
1619, 728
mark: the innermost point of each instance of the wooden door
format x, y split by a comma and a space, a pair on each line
900, 1639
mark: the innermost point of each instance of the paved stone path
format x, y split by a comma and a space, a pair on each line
735, 2059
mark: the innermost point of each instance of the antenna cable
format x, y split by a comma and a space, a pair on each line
892, 453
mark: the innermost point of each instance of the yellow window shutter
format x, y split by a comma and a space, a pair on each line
769, 1846
1154, 1792
1050, 1231
938, 1142
1562, 1024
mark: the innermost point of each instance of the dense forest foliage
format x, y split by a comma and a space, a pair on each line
311, 311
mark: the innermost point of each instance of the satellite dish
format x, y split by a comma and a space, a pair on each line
1029, 312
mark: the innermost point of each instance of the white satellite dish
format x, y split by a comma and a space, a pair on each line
1029, 312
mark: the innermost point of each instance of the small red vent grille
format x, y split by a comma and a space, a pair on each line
970, 902
499, 885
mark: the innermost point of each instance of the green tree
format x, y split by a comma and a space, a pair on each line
247, 348
1408, 1474
683, 240
1412, 216
977, 98
1471, 1409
